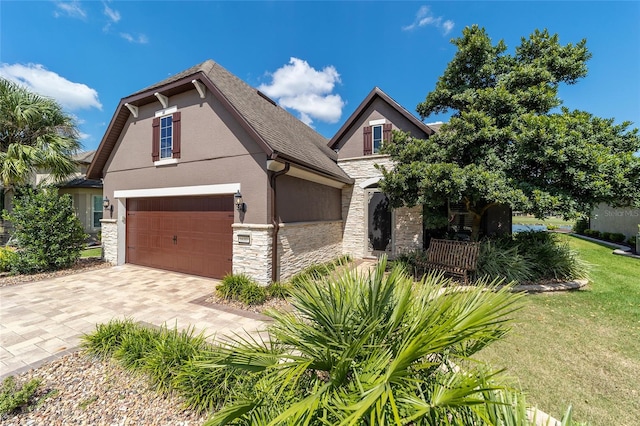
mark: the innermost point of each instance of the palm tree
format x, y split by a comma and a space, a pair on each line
35, 133
372, 350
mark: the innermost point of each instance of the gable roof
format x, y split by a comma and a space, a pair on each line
376, 93
276, 131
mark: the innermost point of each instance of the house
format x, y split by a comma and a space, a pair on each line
624, 220
86, 195
370, 228
206, 175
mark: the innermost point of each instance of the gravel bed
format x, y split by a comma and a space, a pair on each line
82, 265
77, 390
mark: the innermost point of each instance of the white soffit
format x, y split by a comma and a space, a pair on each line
178, 191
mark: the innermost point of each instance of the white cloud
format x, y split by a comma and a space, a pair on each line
140, 39
112, 14
36, 78
72, 9
425, 17
300, 87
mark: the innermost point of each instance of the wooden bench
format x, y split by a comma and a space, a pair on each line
455, 258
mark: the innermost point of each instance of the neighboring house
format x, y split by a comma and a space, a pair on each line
177, 156
605, 218
86, 195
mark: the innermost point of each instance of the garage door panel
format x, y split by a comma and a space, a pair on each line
184, 234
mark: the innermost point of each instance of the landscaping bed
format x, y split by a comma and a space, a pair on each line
82, 265
78, 390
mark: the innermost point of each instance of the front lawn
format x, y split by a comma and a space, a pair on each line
91, 252
550, 221
581, 348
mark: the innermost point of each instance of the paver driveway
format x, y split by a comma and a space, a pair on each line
46, 318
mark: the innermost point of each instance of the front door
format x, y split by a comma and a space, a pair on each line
379, 223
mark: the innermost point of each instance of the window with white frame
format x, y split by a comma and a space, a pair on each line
166, 137
96, 213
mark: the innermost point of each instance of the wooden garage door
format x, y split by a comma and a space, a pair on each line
183, 234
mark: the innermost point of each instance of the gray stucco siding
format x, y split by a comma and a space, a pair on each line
215, 149
300, 200
351, 145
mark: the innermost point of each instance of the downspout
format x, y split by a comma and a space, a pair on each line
274, 220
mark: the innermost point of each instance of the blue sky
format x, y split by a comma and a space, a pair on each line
317, 59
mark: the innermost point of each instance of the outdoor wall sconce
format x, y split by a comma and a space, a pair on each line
240, 205
107, 205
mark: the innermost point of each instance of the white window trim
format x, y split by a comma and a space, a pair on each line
165, 162
377, 122
166, 111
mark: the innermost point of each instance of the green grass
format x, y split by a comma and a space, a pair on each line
581, 348
530, 220
91, 252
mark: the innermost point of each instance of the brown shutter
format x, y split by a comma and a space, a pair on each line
386, 133
155, 144
367, 140
176, 135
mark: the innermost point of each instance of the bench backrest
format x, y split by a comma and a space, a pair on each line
461, 254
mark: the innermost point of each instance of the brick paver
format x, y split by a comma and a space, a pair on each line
45, 319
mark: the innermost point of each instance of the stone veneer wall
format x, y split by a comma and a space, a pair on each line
408, 229
110, 240
302, 244
253, 259
408, 221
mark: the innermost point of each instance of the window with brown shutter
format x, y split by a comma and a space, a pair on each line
155, 144
387, 133
176, 135
367, 146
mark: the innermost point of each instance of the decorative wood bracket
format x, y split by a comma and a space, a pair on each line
133, 109
202, 90
163, 99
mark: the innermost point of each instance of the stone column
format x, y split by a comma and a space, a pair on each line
252, 251
110, 240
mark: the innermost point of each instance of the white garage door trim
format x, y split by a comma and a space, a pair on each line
177, 191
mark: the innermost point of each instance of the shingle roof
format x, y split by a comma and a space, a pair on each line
277, 130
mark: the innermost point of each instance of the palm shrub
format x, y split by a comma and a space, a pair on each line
371, 349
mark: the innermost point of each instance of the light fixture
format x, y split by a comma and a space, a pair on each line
240, 206
107, 205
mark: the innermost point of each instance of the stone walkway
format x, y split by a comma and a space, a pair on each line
45, 319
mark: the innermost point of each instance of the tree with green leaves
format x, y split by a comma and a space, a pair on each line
35, 133
506, 142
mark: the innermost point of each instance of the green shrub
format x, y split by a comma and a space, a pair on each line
632, 241
617, 237
592, 233
107, 338
232, 285
172, 350
318, 271
605, 236
581, 225
500, 261
206, 386
135, 344
278, 290
8, 257
14, 397
253, 294
550, 257
49, 234
410, 261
